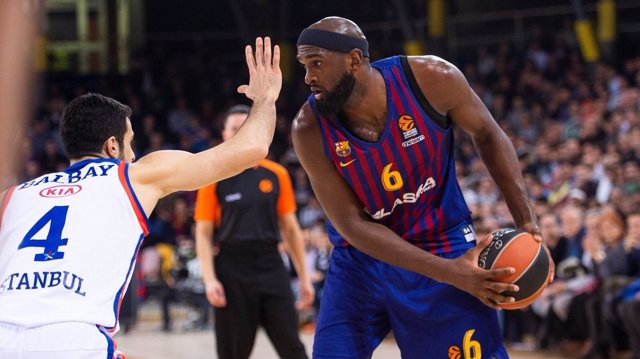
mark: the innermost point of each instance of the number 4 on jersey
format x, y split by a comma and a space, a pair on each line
57, 216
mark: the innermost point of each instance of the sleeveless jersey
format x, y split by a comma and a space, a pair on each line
68, 243
406, 180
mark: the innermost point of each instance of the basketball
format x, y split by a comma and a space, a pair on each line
518, 249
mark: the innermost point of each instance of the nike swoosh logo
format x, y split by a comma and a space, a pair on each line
345, 164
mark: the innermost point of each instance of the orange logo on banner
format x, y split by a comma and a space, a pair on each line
454, 352
406, 123
265, 186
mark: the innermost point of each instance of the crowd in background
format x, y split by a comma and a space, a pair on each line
575, 126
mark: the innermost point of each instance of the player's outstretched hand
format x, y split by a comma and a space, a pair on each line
265, 77
481, 283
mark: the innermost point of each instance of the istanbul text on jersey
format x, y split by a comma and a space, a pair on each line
61, 280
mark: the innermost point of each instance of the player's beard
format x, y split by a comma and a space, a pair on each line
334, 100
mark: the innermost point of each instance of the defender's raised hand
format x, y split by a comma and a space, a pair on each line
265, 78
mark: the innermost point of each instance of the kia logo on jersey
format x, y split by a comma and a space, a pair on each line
61, 191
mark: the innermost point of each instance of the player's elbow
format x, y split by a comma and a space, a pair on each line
489, 135
351, 231
253, 153
259, 152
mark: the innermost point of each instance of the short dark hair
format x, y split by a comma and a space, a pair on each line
236, 109
89, 120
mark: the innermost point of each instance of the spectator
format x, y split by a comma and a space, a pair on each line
573, 229
609, 260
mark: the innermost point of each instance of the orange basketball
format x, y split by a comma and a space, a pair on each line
518, 249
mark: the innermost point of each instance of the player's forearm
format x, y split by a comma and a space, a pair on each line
501, 160
248, 147
382, 243
257, 131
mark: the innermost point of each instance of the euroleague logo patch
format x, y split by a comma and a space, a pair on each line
60, 191
407, 125
265, 186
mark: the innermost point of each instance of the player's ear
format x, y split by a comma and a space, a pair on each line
111, 147
355, 59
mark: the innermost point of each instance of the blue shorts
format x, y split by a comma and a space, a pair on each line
365, 298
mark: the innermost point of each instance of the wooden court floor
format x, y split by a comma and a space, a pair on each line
153, 344
147, 341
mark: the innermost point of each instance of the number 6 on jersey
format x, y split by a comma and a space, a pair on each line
57, 216
391, 180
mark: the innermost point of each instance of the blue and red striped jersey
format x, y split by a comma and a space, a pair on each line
406, 180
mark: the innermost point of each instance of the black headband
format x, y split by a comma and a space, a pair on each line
333, 41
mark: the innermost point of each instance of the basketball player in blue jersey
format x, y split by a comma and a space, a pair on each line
377, 142
68, 240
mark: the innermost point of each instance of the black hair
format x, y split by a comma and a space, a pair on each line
89, 120
237, 109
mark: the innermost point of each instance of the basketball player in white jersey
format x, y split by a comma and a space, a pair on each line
68, 240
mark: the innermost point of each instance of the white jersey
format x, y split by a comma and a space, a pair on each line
68, 243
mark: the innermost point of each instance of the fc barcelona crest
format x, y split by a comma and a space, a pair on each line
343, 149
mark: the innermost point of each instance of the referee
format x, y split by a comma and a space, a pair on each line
247, 283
